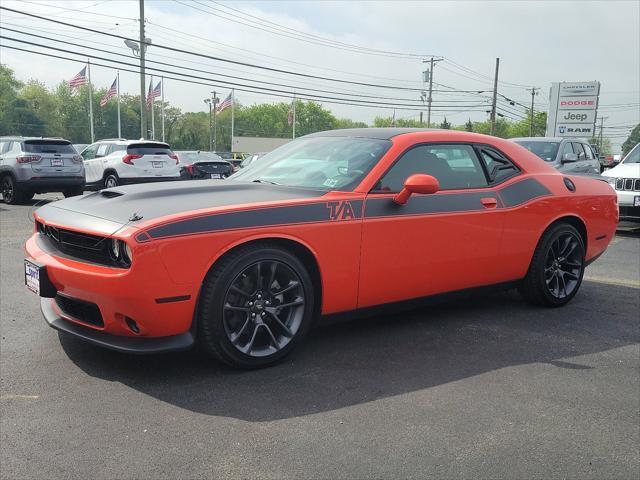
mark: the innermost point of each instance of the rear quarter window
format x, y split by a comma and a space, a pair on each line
48, 146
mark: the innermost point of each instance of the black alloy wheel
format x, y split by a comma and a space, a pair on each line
10, 193
557, 267
563, 265
263, 308
256, 304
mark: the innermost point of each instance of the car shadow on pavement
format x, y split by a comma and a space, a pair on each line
354, 362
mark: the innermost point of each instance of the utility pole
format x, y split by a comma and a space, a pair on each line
495, 98
214, 101
429, 98
533, 96
209, 102
143, 113
600, 137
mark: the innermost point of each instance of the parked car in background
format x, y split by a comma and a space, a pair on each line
80, 146
235, 158
197, 164
625, 179
568, 155
114, 162
249, 159
39, 165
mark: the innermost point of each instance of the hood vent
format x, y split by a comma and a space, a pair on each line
110, 193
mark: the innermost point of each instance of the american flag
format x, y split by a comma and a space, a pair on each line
152, 94
79, 79
110, 93
224, 104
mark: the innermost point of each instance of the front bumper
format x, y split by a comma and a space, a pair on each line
161, 309
629, 210
137, 345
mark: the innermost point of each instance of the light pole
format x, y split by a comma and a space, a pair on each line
139, 50
208, 102
214, 102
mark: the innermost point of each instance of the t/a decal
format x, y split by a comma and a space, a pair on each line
341, 210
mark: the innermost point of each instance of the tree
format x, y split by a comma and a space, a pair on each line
445, 125
632, 140
9, 87
469, 126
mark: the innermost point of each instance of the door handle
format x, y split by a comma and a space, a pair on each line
489, 202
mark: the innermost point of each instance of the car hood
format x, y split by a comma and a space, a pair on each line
114, 207
631, 170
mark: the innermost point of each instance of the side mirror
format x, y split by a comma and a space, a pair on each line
417, 183
569, 157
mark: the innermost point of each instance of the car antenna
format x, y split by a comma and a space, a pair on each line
135, 217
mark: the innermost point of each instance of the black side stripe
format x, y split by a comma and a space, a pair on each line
521, 192
262, 217
345, 210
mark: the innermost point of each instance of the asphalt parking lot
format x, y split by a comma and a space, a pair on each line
489, 387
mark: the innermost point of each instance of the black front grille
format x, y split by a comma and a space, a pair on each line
85, 312
81, 246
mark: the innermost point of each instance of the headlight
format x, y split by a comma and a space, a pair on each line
114, 248
127, 254
611, 181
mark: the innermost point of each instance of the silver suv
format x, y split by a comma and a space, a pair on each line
568, 155
30, 165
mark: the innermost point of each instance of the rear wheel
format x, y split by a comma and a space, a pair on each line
73, 192
111, 180
256, 305
557, 267
11, 193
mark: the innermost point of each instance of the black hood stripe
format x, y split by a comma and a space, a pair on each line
349, 210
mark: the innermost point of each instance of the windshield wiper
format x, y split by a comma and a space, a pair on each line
259, 180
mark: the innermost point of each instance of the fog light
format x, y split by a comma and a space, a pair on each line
115, 249
127, 253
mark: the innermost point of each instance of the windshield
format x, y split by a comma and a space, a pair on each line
191, 157
545, 150
327, 163
633, 156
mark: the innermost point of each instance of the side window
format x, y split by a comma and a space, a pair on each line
3, 147
567, 148
589, 152
577, 148
89, 152
498, 167
103, 148
455, 166
117, 148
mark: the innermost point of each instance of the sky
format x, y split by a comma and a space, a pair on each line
537, 43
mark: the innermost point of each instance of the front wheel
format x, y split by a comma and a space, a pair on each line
11, 193
256, 305
111, 180
557, 267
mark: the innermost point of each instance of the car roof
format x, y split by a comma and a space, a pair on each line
548, 139
124, 141
377, 133
18, 137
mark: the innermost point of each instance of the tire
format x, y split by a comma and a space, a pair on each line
240, 321
111, 180
11, 193
557, 267
73, 192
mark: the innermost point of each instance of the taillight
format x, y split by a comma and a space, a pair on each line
175, 157
129, 157
77, 159
189, 169
28, 158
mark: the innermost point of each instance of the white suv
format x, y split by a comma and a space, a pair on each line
112, 162
625, 179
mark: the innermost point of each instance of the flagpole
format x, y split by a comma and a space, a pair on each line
162, 106
153, 126
233, 108
90, 100
294, 115
118, 81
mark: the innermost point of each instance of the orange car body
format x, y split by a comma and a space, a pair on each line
367, 249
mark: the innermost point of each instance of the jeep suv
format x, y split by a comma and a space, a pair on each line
38, 165
117, 161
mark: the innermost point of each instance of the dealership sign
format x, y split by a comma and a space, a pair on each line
573, 109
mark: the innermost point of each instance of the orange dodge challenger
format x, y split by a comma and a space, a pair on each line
339, 221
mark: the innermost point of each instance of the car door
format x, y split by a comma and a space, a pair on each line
434, 243
581, 165
592, 162
92, 165
564, 165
